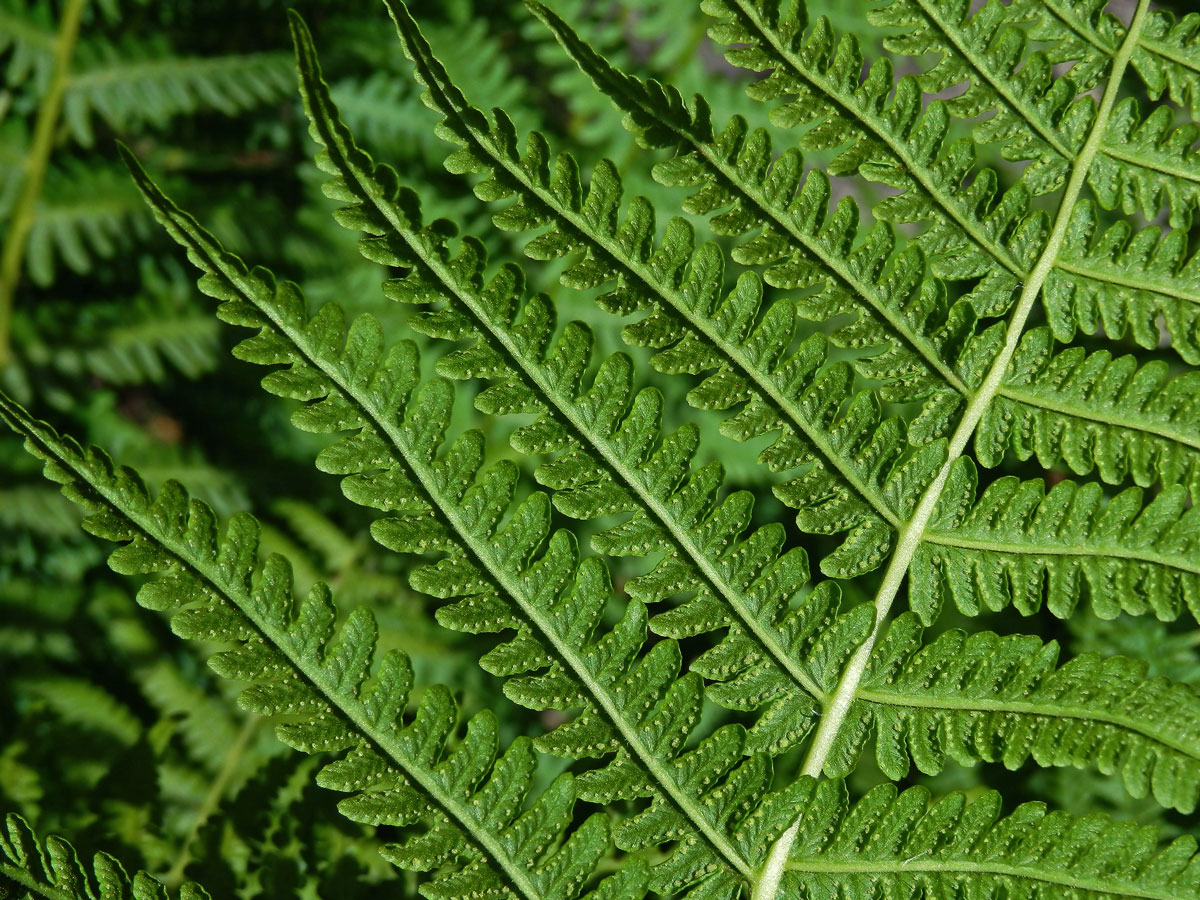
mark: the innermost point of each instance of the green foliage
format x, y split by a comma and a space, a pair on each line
950, 316
52, 869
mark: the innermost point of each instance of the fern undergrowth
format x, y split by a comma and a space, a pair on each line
954, 316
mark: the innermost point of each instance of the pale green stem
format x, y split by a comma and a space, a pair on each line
19, 226
212, 799
910, 535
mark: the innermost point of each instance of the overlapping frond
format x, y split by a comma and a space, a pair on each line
1141, 164
52, 869
1126, 282
887, 134
501, 565
400, 770
611, 456
925, 347
1085, 34
903, 844
1144, 162
86, 212
861, 478
936, 319
982, 696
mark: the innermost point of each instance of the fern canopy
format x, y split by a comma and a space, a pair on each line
952, 315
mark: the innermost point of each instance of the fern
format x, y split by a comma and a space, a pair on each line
397, 773
53, 870
919, 396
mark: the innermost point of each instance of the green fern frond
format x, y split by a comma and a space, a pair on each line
852, 485
1168, 58
1152, 277
137, 84
903, 844
1116, 418
1085, 34
27, 35
612, 457
1018, 543
51, 869
1039, 117
321, 679
529, 375
925, 347
635, 704
86, 211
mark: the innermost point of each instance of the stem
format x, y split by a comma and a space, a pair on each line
212, 799
39, 157
910, 536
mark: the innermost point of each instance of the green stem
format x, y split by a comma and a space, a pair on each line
39, 157
212, 799
912, 533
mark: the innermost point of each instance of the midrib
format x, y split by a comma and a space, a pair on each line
911, 534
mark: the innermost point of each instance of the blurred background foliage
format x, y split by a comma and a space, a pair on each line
112, 733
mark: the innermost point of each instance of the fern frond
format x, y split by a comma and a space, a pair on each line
894, 142
52, 869
1002, 699
1124, 282
1168, 58
738, 181
1114, 417
927, 348
86, 211
502, 565
1142, 162
142, 83
27, 35
889, 136
905, 845
478, 836
1018, 543
852, 485
612, 457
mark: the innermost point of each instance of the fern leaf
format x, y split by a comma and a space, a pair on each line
27, 35
634, 704
612, 456
902, 844
53, 870
901, 146
1141, 162
889, 137
851, 486
1167, 58
927, 349
1001, 699
1019, 540
86, 211
1124, 282
1095, 413
321, 678
135, 84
